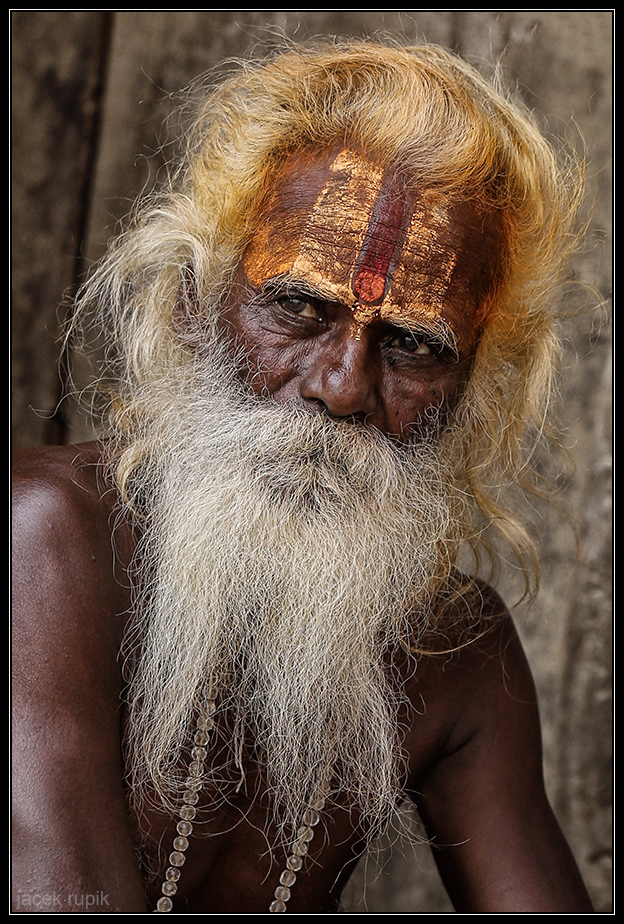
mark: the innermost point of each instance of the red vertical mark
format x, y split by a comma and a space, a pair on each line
371, 278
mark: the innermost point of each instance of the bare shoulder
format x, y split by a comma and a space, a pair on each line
63, 499
58, 482
473, 682
479, 787
69, 558
473, 633
70, 599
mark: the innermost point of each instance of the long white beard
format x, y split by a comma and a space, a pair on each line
285, 555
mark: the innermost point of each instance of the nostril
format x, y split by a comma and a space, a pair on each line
316, 406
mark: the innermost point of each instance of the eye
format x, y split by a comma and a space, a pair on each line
415, 346
301, 307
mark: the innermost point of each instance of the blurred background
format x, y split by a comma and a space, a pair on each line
94, 113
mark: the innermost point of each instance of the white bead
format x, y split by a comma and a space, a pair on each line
311, 817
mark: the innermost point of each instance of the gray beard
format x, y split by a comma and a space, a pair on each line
285, 556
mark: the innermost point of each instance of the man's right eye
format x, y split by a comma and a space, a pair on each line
302, 307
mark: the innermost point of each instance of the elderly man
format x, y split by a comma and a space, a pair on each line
242, 635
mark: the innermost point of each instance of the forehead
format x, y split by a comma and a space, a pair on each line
356, 233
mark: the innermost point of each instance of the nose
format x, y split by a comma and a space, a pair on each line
342, 376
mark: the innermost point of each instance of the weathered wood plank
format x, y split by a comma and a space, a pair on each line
55, 70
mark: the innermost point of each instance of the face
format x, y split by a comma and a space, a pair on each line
360, 298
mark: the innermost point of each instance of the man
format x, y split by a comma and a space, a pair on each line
242, 636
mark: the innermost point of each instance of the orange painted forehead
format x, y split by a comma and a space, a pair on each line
339, 223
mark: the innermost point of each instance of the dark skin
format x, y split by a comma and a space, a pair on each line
473, 738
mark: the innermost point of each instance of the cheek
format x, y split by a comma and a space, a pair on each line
266, 361
271, 368
416, 400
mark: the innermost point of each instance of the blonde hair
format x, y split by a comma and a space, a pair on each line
434, 117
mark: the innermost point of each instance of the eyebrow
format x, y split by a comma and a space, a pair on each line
286, 283
436, 330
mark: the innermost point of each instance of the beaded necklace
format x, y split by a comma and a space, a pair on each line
187, 813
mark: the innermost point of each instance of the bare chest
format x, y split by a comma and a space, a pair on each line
228, 858
223, 854
220, 851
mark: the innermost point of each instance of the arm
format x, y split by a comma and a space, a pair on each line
496, 841
73, 848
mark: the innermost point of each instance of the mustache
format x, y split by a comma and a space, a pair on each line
298, 464
285, 441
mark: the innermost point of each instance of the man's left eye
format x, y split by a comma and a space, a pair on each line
412, 345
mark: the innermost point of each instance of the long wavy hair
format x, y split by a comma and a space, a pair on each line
421, 109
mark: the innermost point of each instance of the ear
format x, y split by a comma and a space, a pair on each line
185, 316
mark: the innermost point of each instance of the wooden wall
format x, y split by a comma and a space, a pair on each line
91, 92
